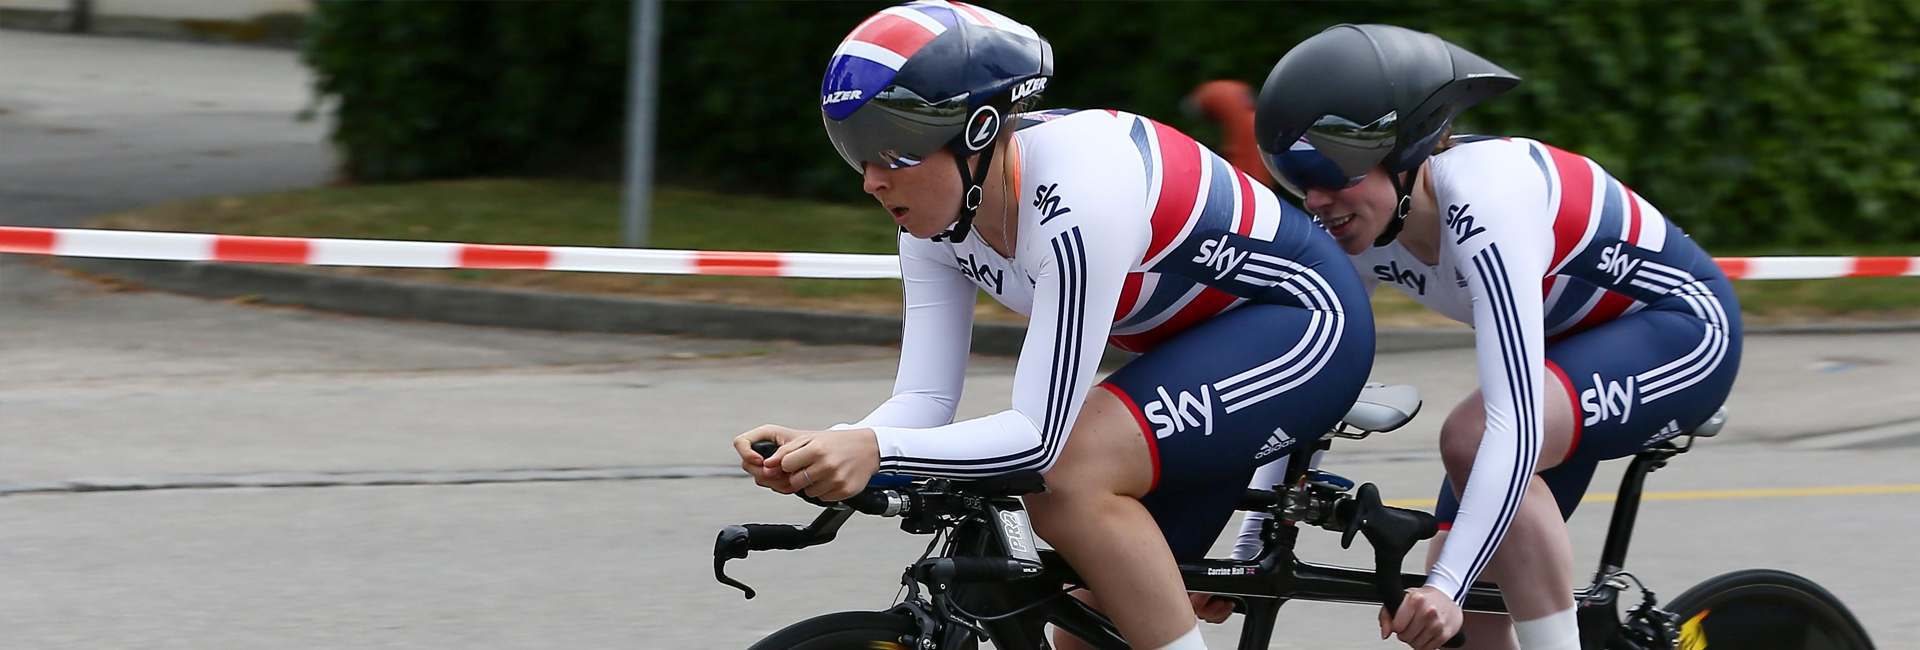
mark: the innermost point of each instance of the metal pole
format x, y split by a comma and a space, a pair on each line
80, 16
643, 67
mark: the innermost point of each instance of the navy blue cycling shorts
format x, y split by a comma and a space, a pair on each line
1235, 392
1635, 382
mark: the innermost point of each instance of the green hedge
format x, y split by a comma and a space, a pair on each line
449, 89
1747, 121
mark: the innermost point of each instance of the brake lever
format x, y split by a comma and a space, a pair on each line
1392, 535
730, 545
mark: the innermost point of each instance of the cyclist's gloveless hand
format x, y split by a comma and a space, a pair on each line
1427, 618
765, 475
1210, 608
827, 465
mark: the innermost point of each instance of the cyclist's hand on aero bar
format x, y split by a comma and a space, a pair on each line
764, 473
1427, 618
827, 465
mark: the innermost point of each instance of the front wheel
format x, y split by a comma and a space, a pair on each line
844, 631
1763, 608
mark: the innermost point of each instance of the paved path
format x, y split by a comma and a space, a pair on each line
141, 389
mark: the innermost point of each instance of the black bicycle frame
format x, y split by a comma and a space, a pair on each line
1267, 582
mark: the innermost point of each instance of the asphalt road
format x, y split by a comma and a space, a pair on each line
287, 479
614, 472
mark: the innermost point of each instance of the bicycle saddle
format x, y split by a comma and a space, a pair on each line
1381, 407
1712, 425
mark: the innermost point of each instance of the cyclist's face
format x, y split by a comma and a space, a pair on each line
924, 198
1355, 215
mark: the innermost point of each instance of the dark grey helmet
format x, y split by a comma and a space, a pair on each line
1391, 91
1355, 96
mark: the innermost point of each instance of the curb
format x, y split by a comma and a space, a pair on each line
408, 300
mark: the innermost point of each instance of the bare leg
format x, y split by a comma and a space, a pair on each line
1092, 515
1534, 566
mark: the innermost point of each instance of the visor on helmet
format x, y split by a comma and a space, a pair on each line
1334, 153
896, 128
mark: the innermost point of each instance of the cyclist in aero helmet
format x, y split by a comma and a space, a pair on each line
1101, 226
1600, 327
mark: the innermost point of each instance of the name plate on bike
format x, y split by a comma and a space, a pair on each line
1016, 532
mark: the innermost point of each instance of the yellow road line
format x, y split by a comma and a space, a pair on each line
1717, 495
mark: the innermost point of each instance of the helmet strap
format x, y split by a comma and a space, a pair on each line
1403, 185
972, 192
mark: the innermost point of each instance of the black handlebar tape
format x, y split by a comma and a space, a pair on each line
1256, 499
872, 502
767, 537
766, 448
974, 569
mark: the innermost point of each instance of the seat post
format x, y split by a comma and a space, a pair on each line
1626, 509
1302, 460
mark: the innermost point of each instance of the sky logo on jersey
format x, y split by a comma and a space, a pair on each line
1617, 263
1189, 412
1391, 272
981, 274
1461, 223
1048, 203
1217, 255
1607, 400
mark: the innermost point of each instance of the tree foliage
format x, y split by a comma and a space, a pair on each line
1747, 121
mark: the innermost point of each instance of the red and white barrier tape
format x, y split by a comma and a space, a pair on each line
193, 247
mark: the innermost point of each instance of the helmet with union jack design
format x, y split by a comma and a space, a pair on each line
1358, 96
928, 74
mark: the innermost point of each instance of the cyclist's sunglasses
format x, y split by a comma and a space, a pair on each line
1334, 153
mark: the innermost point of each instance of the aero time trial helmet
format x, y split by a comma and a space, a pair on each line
1356, 96
929, 74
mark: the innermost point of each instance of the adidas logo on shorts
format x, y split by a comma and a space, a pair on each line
1671, 429
1276, 442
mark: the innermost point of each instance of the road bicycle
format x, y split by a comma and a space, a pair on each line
983, 578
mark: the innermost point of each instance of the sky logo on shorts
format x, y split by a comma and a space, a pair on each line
1607, 400
1617, 263
1190, 412
1217, 255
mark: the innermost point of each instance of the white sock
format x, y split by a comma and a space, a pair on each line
1557, 631
1192, 641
